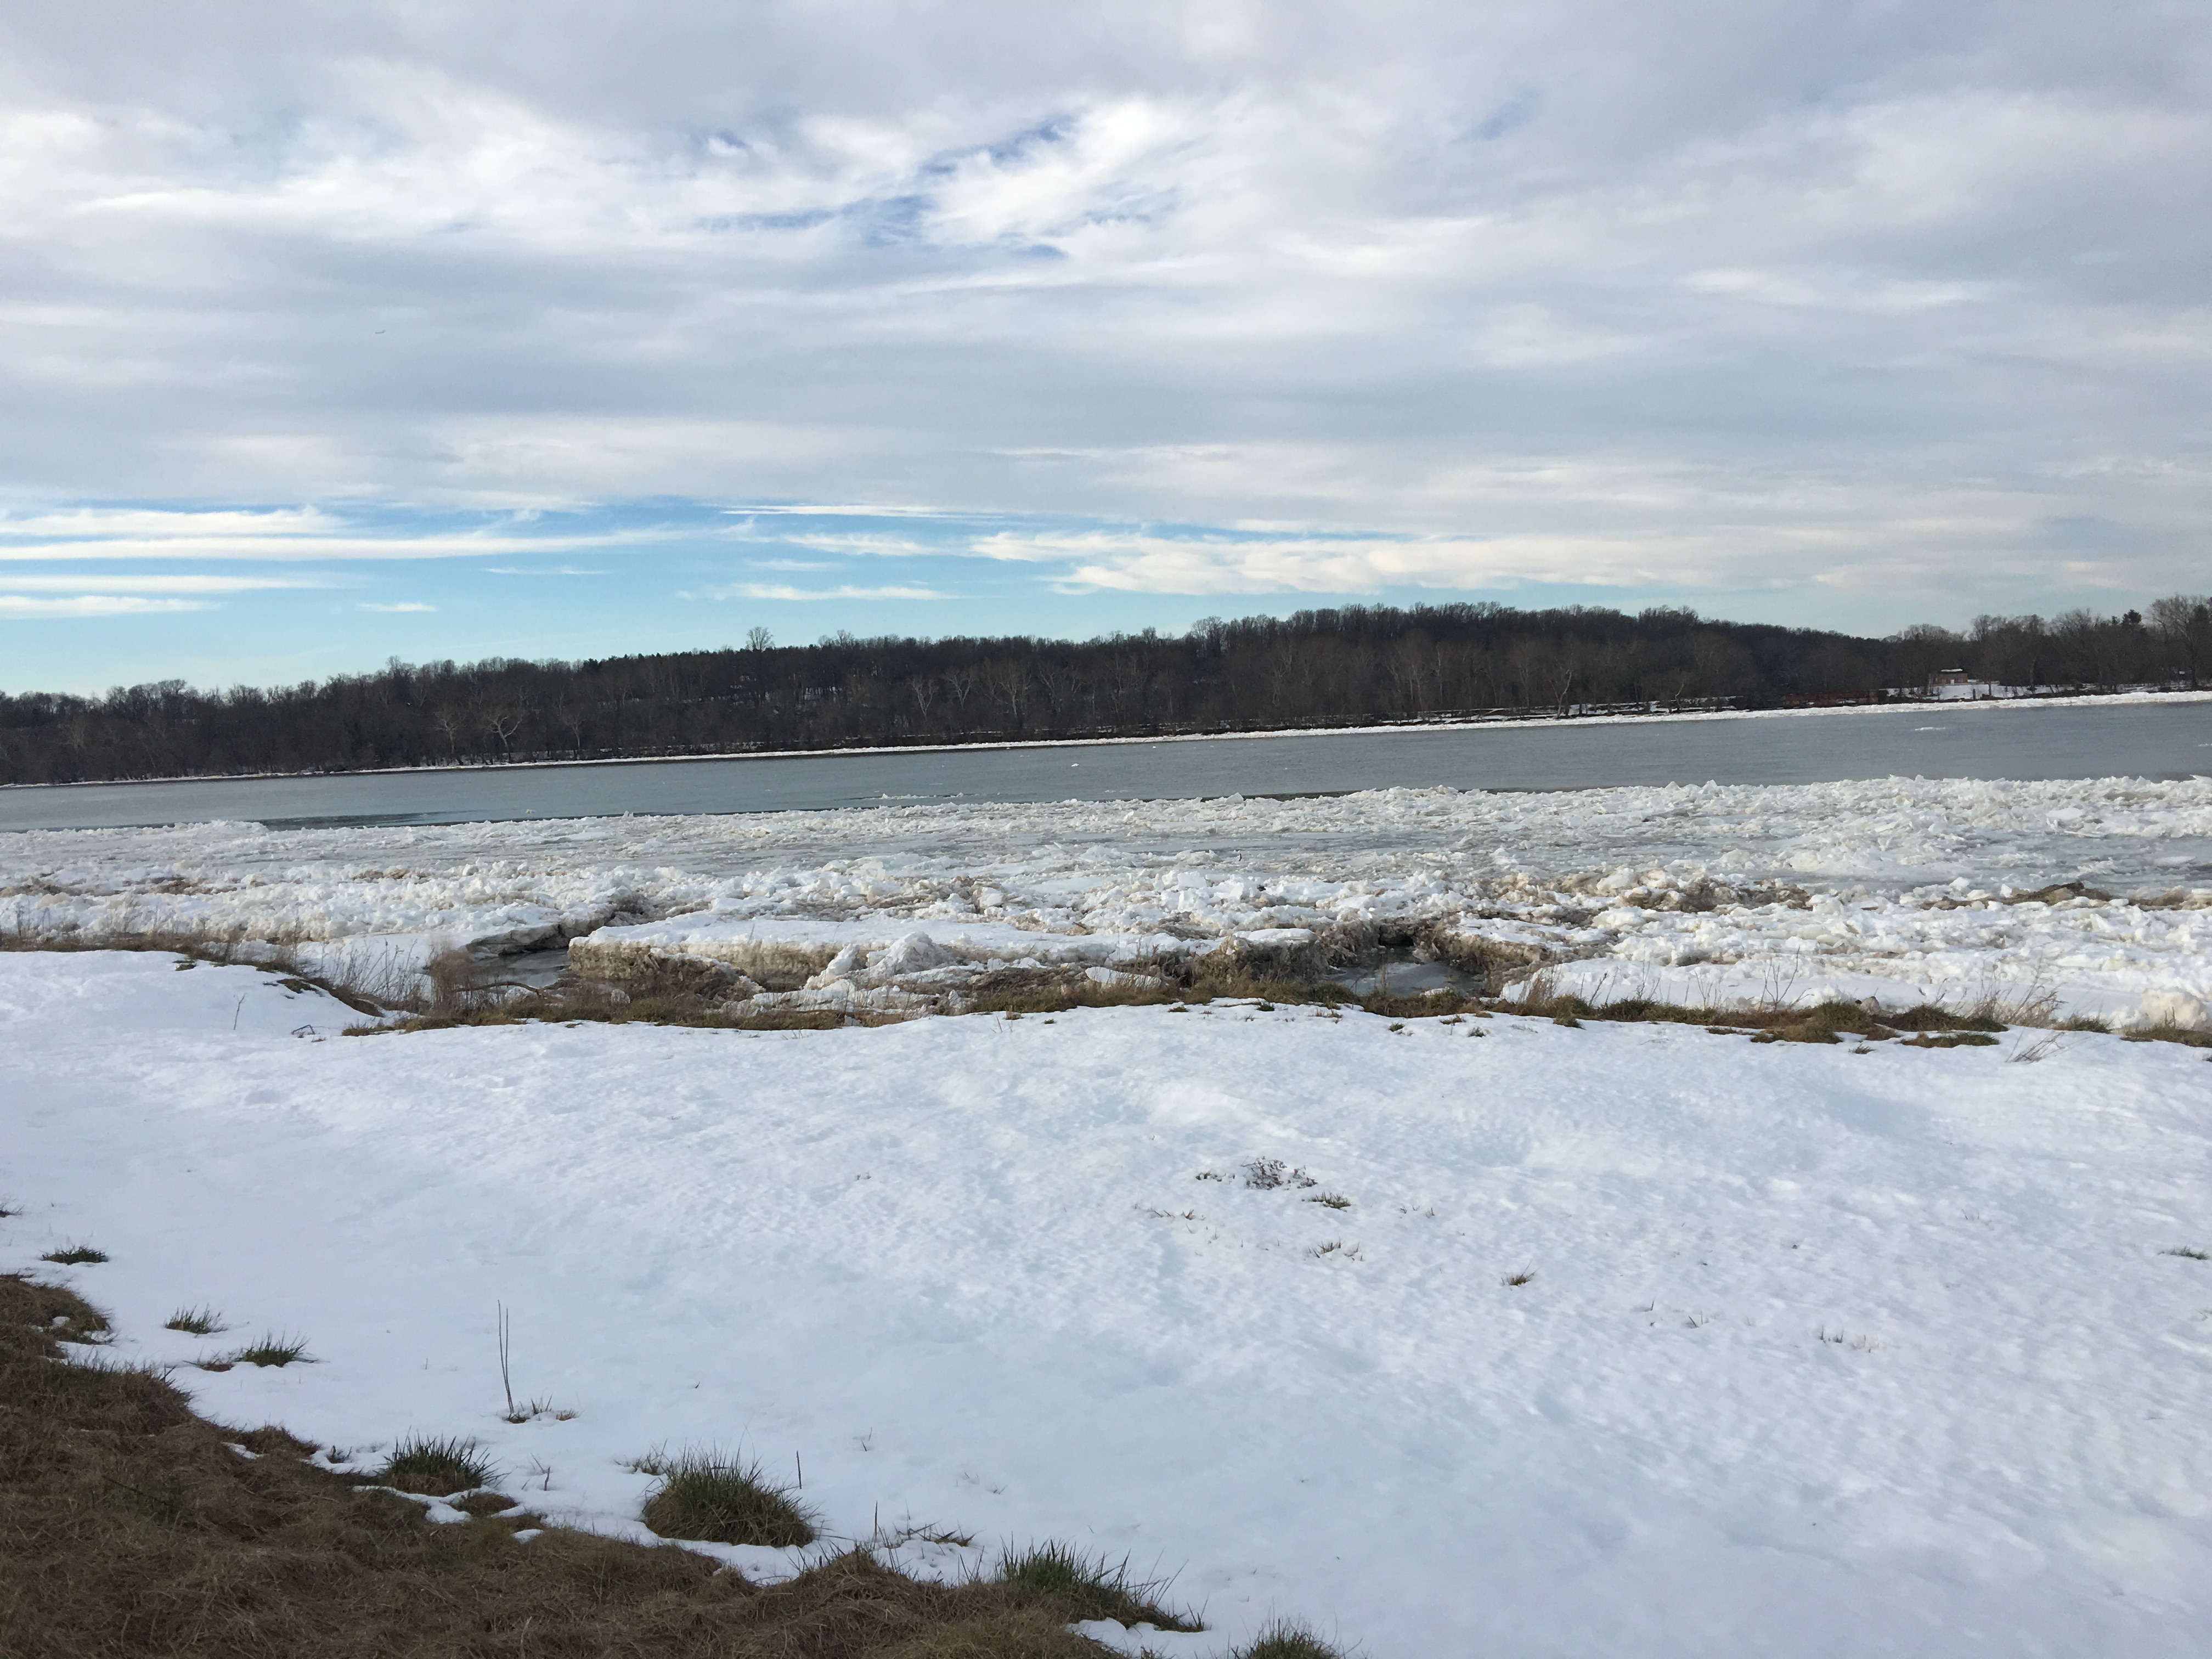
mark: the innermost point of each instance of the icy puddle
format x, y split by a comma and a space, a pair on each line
2095, 895
1813, 1352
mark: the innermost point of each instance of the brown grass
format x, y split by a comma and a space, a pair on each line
2187, 1035
672, 994
1199, 981
671, 999
129, 1527
1822, 1022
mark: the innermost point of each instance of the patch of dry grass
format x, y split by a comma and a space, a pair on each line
128, 1525
670, 991
1820, 1022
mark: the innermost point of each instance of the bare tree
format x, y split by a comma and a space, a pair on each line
449, 720
504, 724
1008, 677
2183, 625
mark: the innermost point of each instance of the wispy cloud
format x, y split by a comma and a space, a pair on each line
848, 510
147, 582
856, 543
404, 607
92, 604
1136, 562
775, 591
109, 523
291, 535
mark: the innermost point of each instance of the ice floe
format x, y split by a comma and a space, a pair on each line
2094, 893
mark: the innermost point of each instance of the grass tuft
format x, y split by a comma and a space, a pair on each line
2190, 1251
436, 1465
272, 1349
705, 1496
1331, 1200
195, 1322
74, 1254
1088, 1588
1284, 1639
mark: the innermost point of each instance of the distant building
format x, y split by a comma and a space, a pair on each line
1950, 677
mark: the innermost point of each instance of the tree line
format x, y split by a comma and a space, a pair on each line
1353, 665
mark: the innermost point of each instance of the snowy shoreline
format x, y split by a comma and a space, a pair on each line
1813, 1352
1515, 723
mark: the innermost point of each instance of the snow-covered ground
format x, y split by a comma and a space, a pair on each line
1896, 888
1823, 1352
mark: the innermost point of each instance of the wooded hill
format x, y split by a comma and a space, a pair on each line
1352, 666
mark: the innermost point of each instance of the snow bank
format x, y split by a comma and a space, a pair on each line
1924, 888
1824, 1353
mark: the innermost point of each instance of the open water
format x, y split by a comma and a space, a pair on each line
2148, 740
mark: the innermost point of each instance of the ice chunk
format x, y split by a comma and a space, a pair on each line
842, 966
2176, 1008
915, 953
1115, 976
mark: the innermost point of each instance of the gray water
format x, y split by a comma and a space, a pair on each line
2160, 741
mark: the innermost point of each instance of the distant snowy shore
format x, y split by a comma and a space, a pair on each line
2096, 894
1516, 722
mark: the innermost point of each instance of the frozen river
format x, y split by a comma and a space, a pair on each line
2167, 739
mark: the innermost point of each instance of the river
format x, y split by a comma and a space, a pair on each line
2161, 740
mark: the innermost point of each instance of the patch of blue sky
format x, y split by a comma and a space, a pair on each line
1019, 146
891, 221
809, 219
1509, 117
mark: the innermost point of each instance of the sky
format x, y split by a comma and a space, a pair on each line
331, 333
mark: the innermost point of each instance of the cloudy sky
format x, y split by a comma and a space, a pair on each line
333, 332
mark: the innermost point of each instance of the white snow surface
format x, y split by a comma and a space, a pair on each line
1898, 888
1824, 1353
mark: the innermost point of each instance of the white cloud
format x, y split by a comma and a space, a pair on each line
148, 582
1136, 562
105, 524
1648, 294
775, 591
92, 604
404, 607
281, 535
